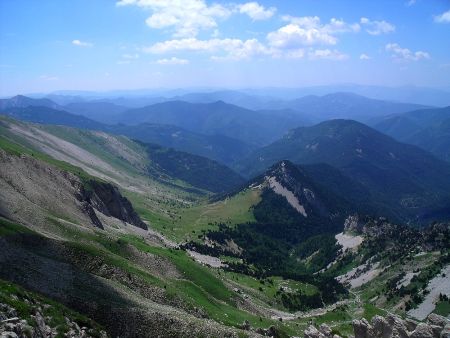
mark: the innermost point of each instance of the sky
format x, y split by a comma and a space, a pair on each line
48, 45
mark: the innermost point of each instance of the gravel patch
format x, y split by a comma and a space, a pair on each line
437, 285
360, 275
348, 241
280, 190
211, 261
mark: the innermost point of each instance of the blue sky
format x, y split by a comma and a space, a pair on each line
48, 45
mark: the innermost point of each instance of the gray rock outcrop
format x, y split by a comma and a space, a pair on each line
323, 331
393, 326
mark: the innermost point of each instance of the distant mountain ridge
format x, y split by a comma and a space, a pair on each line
405, 179
250, 126
48, 115
426, 128
20, 101
339, 104
347, 105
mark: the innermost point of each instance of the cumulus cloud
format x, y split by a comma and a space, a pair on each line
255, 11
173, 61
307, 31
404, 54
187, 18
294, 40
377, 27
364, 57
236, 49
443, 18
82, 43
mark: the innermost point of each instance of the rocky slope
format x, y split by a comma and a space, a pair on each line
25, 314
34, 190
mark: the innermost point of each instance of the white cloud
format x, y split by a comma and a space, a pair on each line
82, 43
293, 36
187, 17
327, 54
235, 49
377, 27
255, 11
172, 61
292, 41
364, 56
404, 54
130, 56
443, 18
411, 3
308, 31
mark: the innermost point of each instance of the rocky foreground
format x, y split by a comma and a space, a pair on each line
390, 326
39, 325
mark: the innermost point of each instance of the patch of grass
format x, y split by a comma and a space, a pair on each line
371, 311
339, 314
268, 287
232, 211
192, 271
443, 308
10, 228
118, 259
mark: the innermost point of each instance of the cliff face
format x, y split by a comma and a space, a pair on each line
107, 199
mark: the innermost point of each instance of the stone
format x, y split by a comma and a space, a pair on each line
410, 324
325, 330
312, 332
434, 319
245, 325
445, 332
422, 331
362, 328
381, 327
398, 326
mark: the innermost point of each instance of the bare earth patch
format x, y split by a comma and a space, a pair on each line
348, 241
211, 261
360, 275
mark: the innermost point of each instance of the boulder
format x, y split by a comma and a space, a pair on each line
422, 331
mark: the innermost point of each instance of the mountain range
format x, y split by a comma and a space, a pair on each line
407, 180
317, 108
218, 118
426, 128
